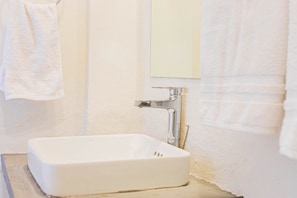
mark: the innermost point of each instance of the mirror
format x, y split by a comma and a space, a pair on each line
175, 38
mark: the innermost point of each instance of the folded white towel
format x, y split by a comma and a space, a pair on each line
288, 138
31, 63
243, 59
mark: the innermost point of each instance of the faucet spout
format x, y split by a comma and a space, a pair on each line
141, 104
153, 104
174, 107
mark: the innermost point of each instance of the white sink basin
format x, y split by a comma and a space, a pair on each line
78, 165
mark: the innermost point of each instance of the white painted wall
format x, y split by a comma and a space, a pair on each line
22, 121
115, 72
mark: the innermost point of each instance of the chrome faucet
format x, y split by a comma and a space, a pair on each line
174, 107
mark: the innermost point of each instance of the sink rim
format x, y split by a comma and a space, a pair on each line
31, 142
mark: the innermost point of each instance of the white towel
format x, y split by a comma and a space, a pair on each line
243, 59
288, 138
31, 63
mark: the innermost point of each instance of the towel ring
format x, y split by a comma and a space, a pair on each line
58, 1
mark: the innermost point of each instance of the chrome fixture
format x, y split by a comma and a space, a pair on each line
174, 107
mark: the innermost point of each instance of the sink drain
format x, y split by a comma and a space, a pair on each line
158, 154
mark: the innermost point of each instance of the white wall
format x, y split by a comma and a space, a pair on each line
22, 121
115, 72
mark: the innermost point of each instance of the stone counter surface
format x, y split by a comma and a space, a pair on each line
20, 184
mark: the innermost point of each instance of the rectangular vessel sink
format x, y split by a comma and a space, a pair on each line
80, 165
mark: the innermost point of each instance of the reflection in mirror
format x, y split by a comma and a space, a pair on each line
175, 37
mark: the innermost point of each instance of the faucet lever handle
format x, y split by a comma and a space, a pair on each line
172, 90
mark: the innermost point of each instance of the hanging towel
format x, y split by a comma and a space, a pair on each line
31, 63
288, 138
243, 59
